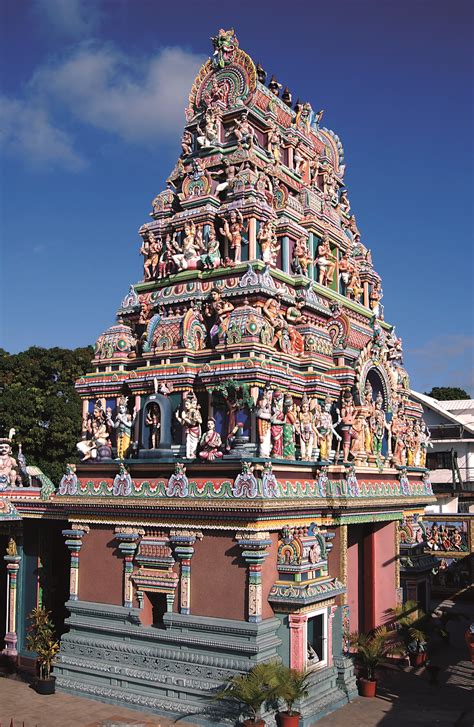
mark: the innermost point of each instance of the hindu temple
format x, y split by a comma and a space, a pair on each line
249, 445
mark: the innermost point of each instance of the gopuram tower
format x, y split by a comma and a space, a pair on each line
249, 440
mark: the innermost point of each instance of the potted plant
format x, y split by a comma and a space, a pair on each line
251, 691
412, 624
42, 640
291, 685
370, 650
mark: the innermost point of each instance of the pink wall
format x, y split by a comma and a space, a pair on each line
384, 570
354, 535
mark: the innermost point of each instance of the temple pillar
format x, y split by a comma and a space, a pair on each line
285, 253
128, 539
254, 551
74, 544
311, 267
136, 426
331, 613
85, 408
182, 542
252, 233
343, 561
366, 294
13, 561
298, 648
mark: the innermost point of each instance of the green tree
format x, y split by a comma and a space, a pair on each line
38, 399
447, 393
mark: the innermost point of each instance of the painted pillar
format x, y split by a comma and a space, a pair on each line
285, 253
331, 613
182, 542
366, 294
136, 428
297, 623
311, 267
85, 408
254, 551
252, 233
74, 545
128, 542
13, 566
343, 561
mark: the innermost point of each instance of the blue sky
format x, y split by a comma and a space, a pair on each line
92, 108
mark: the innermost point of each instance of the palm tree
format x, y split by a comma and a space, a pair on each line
291, 684
251, 690
374, 647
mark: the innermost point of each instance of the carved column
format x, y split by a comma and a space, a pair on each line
74, 545
297, 624
285, 253
312, 267
343, 561
252, 238
254, 551
13, 566
182, 542
331, 613
366, 294
128, 541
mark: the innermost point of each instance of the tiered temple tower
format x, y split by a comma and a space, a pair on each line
249, 440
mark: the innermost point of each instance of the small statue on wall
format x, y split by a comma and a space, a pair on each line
211, 442
378, 426
425, 442
274, 143
301, 257
150, 249
208, 137
263, 413
326, 262
153, 422
348, 416
244, 132
187, 143
277, 422
95, 434
8, 464
123, 424
269, 245
375, 296
289, 428
232, 230
191, 420
211, 259
325, 430
398, 429
306, 424
218, 311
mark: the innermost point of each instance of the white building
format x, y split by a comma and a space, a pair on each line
451, 460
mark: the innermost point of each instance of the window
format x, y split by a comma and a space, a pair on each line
158, 608
440, 460
316, 639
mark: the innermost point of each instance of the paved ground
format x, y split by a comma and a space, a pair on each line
441, 696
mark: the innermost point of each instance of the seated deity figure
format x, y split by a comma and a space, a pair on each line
95, 432
187, 254
152, 421
123, 425
191, 420
264, 414
210, 443
326, 262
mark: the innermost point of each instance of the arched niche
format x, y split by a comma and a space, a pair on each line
156, 409
379, 382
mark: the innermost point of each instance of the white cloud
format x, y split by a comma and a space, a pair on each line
138, 100
27, 131
68, 18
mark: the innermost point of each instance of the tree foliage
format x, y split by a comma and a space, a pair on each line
38, 399
447, 393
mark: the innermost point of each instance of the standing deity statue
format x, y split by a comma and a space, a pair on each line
359, 426
232, 231
378, 426
301, 257
289, 428
218, 311
300, 162
211, 442
150, 249
263, 413
225, 43
325, 431
344, 204
277, 422
211, 258
191, 420
244, 132
398, 430
326, 262
274, 143
187, 143
269, 245
348, 416
411, 443
123, 424
152, 421
375, 296
425, 442
306, 424
8, 464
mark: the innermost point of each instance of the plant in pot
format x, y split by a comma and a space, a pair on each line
412, 624
42, 640
371, 649
252, 691
290, 686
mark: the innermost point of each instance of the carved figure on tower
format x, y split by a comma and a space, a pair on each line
217, 311
263, 413
8, 464
326, 262
325, 431
190, 419
123, 424
269, 245
211, 442
233, 226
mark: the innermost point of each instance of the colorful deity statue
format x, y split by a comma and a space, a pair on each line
150, 249
425, 442
225, 43
232, 230
344, 204
354, 288
244, 132
218, 311
269, 245
375, 296
301, 257
289, 428
153, 422
211, 442
306, 424
277, 422
191, 420
326, 262
187, 253
378, 426
274, 143
187, 142
123, 424
208, 135
211, 259
411, 443
348, 416
325, 431
95, 433
8, 464
263, 413
398, 430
